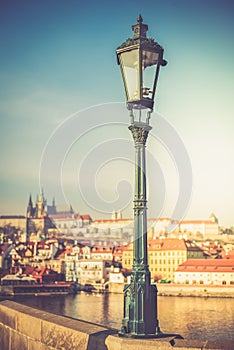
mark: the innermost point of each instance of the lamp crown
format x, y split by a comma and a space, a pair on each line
139, 19
139, 29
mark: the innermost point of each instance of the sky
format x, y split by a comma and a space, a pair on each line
63, 116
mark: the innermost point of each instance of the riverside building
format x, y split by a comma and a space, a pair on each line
164, 256
209, 272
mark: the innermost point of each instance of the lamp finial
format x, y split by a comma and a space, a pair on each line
139, 19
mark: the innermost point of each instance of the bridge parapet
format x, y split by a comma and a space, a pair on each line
26, 328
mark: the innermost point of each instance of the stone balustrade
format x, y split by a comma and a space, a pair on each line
26, 328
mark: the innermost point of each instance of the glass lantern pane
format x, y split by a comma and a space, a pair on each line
129, 61
149, 66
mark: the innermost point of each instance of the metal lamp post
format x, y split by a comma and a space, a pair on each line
140, 59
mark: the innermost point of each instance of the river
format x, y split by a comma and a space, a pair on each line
191, 317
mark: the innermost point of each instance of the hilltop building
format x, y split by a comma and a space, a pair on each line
18, 221
66, 220
43, 218
205, 227
69, 222
38, 221
157, 227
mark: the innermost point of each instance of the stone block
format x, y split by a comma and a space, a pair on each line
30, 326
219, 345
60, 337
114, 342
8, 316
35, 345
18, 341
186, 344
97, 341
4, 337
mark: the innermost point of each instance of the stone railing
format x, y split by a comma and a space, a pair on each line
25, 328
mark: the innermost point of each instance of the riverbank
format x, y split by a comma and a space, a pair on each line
185, 290
170, 290
195, 290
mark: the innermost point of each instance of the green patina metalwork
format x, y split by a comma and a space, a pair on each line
140, 297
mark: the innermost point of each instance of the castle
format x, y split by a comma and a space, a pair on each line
38, 220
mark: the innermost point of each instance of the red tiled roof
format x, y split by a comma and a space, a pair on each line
209, 262
28, 270
52, 240
128, 219
198, 222
129, 246
155, 244
63, 216
31, 243
100, 251
186, 222
61, 255
4, 246
167, 244
86, 217
43, 245
102, 221
159, 219
174, 244
209, 265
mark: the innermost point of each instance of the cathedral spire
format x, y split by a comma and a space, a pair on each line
41, 197
30, 207
30, 200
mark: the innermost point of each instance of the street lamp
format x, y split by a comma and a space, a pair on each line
140, 59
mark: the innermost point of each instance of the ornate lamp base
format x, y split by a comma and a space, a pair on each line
140, 310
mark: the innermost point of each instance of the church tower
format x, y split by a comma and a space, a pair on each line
30, 207
38, 220
40, 206
114, 215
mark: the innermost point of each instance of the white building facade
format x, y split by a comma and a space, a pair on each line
207, 272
